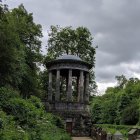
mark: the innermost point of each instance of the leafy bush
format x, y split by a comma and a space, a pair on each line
36, 101
124, 129
119, 105
6, 94
24, 111
45, 130
130, 115
8, 129
58, 122
27, 119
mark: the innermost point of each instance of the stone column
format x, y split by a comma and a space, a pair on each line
67, 83
57, 93
86, 88
69, 92
77, 84
50, 87
81, 87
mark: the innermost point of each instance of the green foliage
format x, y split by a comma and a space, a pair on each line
130, 115
71, 41
36, 102
96, 111
11, 53
121, 81
119, 105
26, 119
8, 129
20, 50
44, 83
24, 111
23, 118
5, 95
58, 122
30, 34
124, 129
52, 132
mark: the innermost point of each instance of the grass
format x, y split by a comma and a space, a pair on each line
124, 129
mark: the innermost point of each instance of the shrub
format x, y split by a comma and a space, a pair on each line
24, 111
36, 102
124, 129
8, 129
26, 119
58, 121
130, 119
6, 94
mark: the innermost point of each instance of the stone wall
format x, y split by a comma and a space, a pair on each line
97, 133
75, 113
134, 133
81, 122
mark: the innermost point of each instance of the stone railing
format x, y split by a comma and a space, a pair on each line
134, 133
66, 106
98, 133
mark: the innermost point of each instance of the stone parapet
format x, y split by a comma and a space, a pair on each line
67, 106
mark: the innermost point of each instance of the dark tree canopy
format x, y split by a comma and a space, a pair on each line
19, 50
71, 41
22, 116
119, 104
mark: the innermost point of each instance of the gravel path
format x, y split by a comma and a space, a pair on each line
81, 138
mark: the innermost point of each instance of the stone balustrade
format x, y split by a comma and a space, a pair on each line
134, 133
66, 106
98, 134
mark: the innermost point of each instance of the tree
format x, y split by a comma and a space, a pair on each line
72, 41
130, 115
11, 52
119, 104
121, 81
30, 34
20, 118
96, 110
19, 50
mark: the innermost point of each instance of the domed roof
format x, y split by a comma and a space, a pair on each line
68, 57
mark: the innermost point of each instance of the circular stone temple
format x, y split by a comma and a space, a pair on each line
70, 74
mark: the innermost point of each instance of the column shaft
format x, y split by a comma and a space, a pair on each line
78, 97
50, 87
87, 88
57, 93
81, 86
69, 92
67, 84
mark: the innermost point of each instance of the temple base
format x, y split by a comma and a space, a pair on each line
76, 116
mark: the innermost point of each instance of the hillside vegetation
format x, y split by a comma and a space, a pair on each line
27, 119
119, 104
22, 114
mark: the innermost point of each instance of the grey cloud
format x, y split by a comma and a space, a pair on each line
108, 73
115, 26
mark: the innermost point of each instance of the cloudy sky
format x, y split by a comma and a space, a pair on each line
114, 24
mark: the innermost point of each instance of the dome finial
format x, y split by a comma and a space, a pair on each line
68, 56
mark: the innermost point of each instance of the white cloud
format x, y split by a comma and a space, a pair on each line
102, 86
